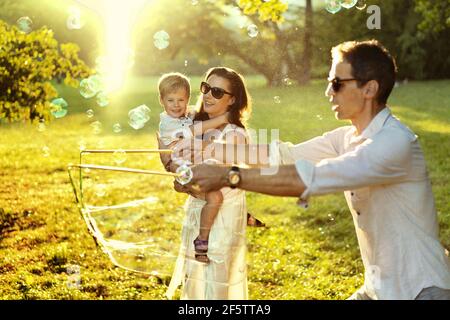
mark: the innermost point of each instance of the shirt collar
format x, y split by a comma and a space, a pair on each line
374, 126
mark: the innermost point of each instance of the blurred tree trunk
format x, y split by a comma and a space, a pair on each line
304, 75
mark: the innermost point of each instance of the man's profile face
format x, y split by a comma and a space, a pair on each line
347, 102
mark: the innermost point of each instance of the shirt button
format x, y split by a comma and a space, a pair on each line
358, 213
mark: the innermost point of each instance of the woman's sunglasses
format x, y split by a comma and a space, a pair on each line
215, 91
336, 83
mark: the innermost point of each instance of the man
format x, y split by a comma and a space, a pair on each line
377, 162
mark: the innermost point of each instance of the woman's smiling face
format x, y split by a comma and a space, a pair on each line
216, 107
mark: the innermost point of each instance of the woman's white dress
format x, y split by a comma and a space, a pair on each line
225, 277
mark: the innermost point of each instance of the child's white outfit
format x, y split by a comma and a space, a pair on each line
172, 129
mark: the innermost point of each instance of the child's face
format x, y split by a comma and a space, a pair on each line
175, 103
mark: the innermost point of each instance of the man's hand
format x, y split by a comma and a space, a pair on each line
207, 177
184, 189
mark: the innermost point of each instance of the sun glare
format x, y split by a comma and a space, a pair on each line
118, 18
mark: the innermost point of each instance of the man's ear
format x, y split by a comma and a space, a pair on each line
371, 89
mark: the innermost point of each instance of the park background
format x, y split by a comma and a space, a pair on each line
282, 49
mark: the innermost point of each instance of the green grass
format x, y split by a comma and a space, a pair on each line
304, 254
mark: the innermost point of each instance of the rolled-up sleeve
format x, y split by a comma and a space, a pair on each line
382, 160
313, 150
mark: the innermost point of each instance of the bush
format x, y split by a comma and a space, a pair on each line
28, 62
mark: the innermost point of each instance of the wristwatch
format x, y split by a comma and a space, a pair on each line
234, 177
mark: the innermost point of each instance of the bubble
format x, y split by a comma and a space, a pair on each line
332, 6
82, 145
96, 82
24, 24
89, 87
58, 107
100, 189
319, 117
41, 126
252, 30
90, 113
100, 144
138, 116
194, 2
287, 81
161, 39
46, 151
102, 99
185, 63
86, 89
74, 20
96, 127
347, 4
119, 156
185, 173
117, 127
361, 5
277, 99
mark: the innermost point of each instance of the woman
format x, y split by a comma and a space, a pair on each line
225, 277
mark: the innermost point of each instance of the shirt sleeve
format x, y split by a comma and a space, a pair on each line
384, 159
313, 150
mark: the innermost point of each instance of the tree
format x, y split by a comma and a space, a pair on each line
28, 63
205, 31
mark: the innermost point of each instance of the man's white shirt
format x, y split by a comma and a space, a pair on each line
383, 175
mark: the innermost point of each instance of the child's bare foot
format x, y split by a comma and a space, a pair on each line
201, 249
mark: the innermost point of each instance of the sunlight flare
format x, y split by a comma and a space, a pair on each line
117, 57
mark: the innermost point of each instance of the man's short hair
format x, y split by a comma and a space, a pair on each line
171, 82
370, 60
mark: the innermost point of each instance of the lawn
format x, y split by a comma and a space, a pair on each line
304, 254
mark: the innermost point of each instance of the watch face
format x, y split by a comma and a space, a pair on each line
234, 178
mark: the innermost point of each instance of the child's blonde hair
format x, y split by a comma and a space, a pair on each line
173, 81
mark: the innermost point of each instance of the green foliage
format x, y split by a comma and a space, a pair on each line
435, 13
266, 10
420, 54
28, 62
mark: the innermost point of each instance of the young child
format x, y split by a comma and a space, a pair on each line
176, 123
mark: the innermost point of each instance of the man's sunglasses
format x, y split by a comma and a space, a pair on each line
215, 91
336, 83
